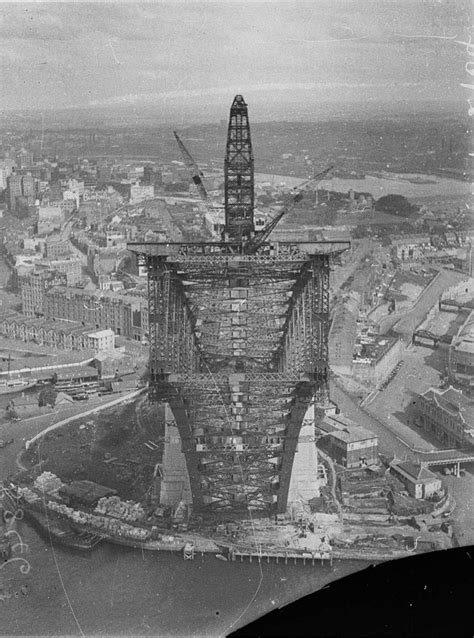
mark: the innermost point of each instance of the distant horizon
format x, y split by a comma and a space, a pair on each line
77, 55
187, 115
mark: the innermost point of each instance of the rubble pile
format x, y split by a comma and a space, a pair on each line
110, 526
27, 494
124, 510
48, 482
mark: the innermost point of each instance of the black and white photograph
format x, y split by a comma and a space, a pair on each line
236, 318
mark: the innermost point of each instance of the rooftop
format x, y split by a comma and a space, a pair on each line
454, 402
402, 240
413, 472
108, 332
339, 421
465, 338
353, 434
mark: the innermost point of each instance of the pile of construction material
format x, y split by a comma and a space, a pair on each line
101, 523
27, 494
124, 510
48, 482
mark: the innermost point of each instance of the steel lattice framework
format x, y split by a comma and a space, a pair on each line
239, 174
239, 346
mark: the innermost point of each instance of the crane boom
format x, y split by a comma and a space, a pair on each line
196, 174
254, 244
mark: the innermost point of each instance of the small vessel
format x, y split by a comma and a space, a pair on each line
221, 557
60, 532
10, 386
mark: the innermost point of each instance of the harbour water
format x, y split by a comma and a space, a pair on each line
437, 187
121, 591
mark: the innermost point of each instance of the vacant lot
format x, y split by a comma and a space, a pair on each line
108, 448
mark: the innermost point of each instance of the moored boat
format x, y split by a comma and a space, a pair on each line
10, 386
60, 532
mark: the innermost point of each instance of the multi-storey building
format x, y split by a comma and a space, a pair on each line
352, 446
21, 192
14, 192
125, 314
29, 189
71, 267
139, 193
61, 335
448, 414
25, 158
33, 289
410, 247
6, 168
56, 248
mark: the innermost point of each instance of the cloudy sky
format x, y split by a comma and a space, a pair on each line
114, 53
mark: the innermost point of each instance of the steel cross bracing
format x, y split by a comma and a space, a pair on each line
239, 174
238, 348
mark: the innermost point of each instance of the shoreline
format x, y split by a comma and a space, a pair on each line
68, 534
202, 544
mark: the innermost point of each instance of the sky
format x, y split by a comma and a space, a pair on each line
104, 54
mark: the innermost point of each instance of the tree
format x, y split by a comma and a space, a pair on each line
47, 396
395, 205
11, 410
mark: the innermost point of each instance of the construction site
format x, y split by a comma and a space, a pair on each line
232, 452
239, 345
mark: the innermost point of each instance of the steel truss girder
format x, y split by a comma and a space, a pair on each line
304, 345
173, 345
265, 466
223, 415
205, 254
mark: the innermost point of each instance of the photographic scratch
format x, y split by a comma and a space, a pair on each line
303, 41
113, 51
113, 582
424, 36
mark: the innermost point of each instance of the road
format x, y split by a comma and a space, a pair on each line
342, 273
26, 429
421, 370
389, 443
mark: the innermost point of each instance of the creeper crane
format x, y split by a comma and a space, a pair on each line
193, 168
261, 236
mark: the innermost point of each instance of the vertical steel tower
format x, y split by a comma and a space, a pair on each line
238, 174
238, 346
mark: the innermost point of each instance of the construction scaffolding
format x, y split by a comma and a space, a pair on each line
239, 346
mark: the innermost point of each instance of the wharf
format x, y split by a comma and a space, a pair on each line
60, 532
175, 543
281, 554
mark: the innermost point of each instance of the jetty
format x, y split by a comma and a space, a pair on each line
284, 555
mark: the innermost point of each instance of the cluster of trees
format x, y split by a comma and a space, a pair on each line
395, 205
47, 396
